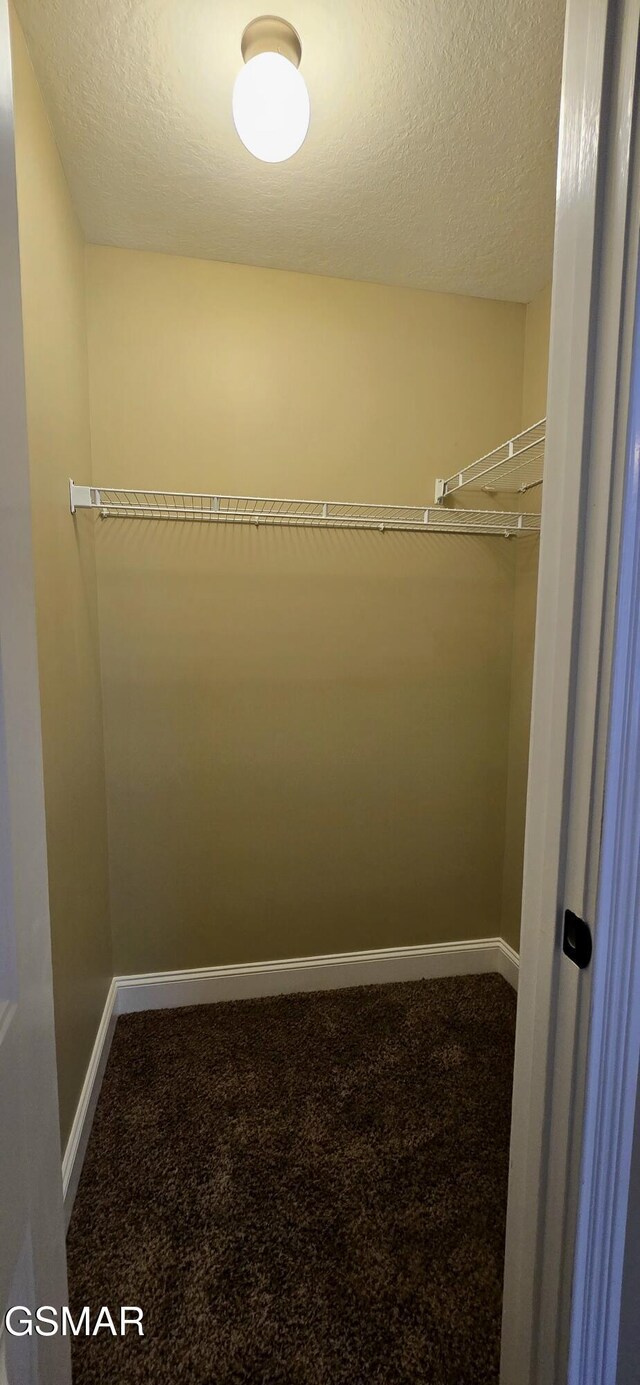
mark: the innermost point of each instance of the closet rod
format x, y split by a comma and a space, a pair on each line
115, 502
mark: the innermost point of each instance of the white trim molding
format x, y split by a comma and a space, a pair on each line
507, 962
614, 1039
82, 1121
208, 985
587, 406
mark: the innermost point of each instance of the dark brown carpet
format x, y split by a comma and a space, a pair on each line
307, 1190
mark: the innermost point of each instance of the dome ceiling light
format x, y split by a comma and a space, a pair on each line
270, 98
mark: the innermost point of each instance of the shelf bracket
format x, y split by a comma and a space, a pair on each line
82, 497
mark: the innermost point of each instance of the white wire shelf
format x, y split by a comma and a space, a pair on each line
113, 502
511, 469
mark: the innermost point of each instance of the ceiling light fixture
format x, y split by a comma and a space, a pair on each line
270, 98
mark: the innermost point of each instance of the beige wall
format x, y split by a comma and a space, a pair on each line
305, 730
536, 358
534, 406
53, 290
208, 374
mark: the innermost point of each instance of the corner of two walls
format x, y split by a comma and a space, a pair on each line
534, 404
52, 257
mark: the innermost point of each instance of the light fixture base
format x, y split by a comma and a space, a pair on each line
269, 34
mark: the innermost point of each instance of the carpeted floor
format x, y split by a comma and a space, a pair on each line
306, 1190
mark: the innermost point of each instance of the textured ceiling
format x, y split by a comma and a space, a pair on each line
430, 159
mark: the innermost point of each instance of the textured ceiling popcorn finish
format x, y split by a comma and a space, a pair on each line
430, 158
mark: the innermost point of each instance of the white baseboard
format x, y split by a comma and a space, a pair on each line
82, 1121
207, 985
508, 963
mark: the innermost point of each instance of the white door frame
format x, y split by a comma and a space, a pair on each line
588, 406
32, 1251
614, 1034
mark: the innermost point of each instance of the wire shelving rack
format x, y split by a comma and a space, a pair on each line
511, 469
112, 502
